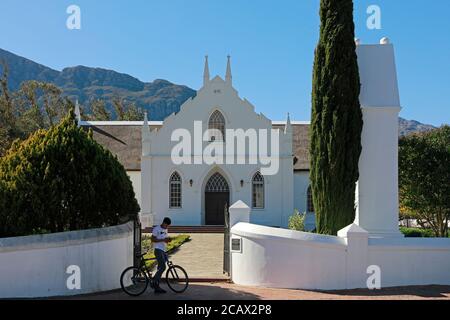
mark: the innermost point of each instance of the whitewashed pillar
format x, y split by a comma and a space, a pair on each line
377, 205
146, 177
239, 212
356, 256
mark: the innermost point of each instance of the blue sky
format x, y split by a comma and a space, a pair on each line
271, 42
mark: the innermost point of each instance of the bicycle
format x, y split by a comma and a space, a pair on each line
135, 280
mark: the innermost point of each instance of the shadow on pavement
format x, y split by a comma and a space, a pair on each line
194, 292
418, 291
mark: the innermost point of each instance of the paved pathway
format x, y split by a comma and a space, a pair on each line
202, 256
228, 291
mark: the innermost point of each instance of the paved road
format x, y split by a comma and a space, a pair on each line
202, 256
228, 291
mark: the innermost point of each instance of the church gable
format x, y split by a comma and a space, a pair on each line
217, 95
217, 105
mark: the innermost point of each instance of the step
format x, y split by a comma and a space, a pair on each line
192, 229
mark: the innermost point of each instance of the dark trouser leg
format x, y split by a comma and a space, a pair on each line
161, 258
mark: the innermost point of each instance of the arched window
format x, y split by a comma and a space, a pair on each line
217, 183
258, 191
216, 125
309, 200
175, 191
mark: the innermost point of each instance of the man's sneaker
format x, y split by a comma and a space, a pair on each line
159, 290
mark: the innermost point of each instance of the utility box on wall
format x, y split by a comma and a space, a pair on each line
236, 245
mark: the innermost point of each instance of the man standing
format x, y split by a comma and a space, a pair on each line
160, 239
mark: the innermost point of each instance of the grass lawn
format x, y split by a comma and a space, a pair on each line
172, 246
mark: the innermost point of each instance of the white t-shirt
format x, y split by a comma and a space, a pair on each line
160, 234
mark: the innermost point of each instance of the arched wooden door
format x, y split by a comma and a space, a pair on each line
217, 195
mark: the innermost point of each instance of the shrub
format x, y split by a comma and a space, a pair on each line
297, 221
417, 233
60, 180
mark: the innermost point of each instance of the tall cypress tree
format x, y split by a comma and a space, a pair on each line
336, 123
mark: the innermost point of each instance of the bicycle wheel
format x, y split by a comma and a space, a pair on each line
177, 279
134, 281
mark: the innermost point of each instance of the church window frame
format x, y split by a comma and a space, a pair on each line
175, 191
258, 191
216, 123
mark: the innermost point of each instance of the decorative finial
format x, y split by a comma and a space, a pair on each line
385, 40
287, 128
228, 76
77, 112
145, 118
206, 76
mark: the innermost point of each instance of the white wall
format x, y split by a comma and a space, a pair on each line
35, 266
280, 258
411, 261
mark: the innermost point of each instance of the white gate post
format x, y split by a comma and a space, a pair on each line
356, 256
239, 212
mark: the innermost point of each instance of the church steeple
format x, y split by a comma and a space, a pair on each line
228, 76
78, 112
206, 72
288, 127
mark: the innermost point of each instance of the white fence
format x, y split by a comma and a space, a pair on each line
280, 258
69, 263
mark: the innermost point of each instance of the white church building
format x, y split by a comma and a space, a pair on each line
196, 191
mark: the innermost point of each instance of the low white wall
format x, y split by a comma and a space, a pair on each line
411, 261
280, 258
36, 266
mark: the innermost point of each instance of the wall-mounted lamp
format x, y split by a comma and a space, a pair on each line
191, 182
242, 183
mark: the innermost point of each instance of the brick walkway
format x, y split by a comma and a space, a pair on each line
228, 291
202, 256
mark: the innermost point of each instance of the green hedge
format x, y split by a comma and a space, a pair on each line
417, 233
59, 180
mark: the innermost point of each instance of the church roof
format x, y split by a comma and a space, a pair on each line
124, 140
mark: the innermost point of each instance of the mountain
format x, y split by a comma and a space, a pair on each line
160, 97
407, 127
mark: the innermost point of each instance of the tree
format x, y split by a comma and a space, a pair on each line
99, 111
119, 107
36, 105
133, 113
424, 178
336, 123
61, 179
126, 111
39, 105
8, 118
